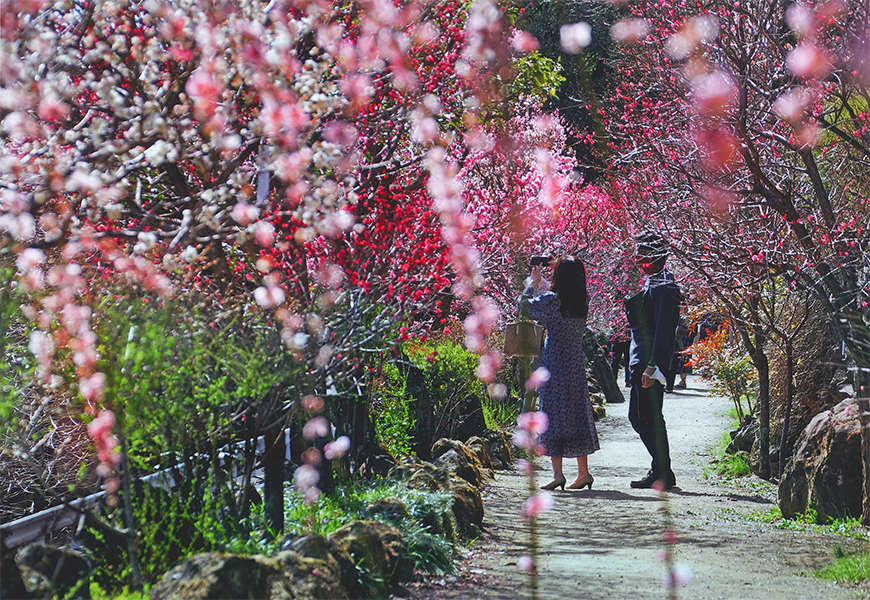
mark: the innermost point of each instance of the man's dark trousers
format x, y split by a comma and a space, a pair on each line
645, 415
618, 357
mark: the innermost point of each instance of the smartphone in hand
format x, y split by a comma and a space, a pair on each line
541, 261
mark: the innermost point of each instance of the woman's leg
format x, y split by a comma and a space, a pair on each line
557, 466
582, 470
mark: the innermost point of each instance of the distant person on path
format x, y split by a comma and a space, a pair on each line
620, 343
565, 396
685, 357
678, 364
652, 315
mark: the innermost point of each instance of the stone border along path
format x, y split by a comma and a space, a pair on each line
604, 543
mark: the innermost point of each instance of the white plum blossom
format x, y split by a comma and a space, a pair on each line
269, 296
575, 37
338, 448
161, 152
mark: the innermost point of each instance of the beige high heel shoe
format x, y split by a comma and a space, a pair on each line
559, 481
579, 485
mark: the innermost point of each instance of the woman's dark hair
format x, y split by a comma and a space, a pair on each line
569, 282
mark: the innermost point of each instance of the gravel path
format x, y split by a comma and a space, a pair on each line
605, 543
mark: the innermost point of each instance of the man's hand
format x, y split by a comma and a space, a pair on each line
646, 379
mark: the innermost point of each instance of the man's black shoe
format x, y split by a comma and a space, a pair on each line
645, 483
650, 479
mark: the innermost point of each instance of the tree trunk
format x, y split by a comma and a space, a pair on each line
789, 398
864, 407
327, 481
129, 522
761, 364
601, 370
273, 479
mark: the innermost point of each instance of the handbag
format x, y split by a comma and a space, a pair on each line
523, 338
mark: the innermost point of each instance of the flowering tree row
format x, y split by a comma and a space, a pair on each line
339, 165
742, 133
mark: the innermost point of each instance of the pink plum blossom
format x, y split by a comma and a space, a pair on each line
526, 563
523, 41
535, 423
629, 31
29, 259
269, 296
537, 379
338, 448
809, 61
525, 467
801, 19
315, 428
523, 440
305, 477
244, 214
91, 388
537, 504
264, 233
679, 576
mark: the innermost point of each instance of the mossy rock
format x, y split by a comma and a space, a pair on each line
49, 571
215, 576
387, 509
218, 576
457, 458
340, 561
467, 506
378, 552
480, 448
501, 448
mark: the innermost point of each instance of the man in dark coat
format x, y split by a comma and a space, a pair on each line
653, 315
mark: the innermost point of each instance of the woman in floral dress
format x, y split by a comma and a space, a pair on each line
565, 396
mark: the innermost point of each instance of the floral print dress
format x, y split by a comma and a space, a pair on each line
565, 397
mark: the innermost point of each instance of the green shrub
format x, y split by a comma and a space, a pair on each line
500, 414
391, 412
429, 548
449, 376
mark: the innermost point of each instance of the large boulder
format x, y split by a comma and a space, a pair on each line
327, 550
467, 506
379, 552
389, 509
467, 502
480, 448
54, 571
825, 473
217, 576
499, 445
457, 458
743, 438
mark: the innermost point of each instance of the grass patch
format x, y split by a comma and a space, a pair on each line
499, 414
726, 465
97, 593
847, 568
733, 465
849, 527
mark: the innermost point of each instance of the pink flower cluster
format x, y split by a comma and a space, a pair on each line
307, 476
106, 444
529, 426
